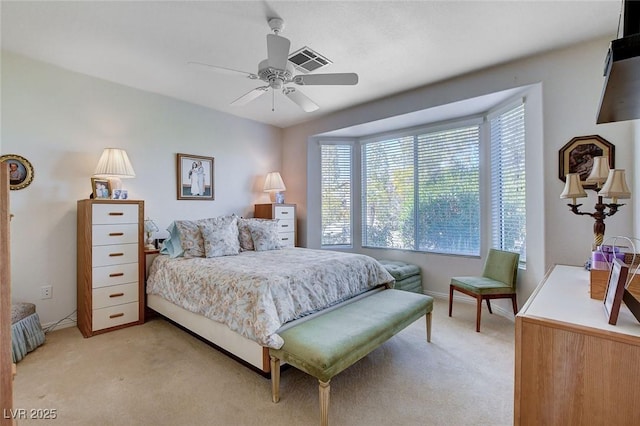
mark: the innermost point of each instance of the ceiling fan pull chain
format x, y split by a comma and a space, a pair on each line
273, 100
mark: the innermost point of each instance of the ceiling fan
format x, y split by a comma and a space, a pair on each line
277, 72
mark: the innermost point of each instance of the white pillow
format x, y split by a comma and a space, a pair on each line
265, 235
220, 236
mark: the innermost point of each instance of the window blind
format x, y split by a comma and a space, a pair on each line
336, 194
508, 181
388, 193
448, 192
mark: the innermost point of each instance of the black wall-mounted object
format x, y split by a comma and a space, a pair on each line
620, 99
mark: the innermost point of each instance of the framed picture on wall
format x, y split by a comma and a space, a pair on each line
577, 156
20, 171
195, 177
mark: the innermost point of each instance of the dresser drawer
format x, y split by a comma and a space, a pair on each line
284, 212
287, 239
286, 225
114, 315
114, 213
113, 275
115, 254
125, 233
114, 295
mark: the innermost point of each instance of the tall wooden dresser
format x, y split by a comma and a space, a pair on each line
286, 215
110, 265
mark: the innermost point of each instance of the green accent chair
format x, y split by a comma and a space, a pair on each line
498, 281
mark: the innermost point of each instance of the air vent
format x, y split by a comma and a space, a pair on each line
306, 60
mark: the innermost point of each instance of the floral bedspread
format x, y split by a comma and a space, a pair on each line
255, 293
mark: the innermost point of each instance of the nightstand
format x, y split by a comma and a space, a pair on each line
110, 265
286, 215
149, 255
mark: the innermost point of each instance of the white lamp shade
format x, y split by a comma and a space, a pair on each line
114, 162
274, 182
572, 187
599, 171
615, 186
150, 226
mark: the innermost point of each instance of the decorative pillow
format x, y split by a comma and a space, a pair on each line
265, 234
220, 236
172, 245
191, 237
244, 233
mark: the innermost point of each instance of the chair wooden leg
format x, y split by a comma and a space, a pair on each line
478, 312
429, 327
515, 304
450, 298
489, 305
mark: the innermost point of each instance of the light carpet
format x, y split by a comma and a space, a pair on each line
157, 374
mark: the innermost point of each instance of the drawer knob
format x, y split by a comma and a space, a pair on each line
285, 226
116, 274
116, 214
115, 254
116, 315
285, 239
116, 295
284, 212
116, 234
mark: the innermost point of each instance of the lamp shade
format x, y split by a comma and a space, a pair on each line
150, 226
599, 170
274, 182
573, 188
616, 186
114, 162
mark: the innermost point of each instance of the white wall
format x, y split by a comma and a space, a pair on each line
571, 82
60, 121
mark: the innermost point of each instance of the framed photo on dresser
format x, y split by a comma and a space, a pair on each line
615, 290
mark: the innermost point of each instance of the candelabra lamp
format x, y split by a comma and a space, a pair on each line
609, 184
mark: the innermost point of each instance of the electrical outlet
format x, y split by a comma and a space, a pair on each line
46, 292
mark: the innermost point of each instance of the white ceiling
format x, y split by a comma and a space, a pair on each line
394, 46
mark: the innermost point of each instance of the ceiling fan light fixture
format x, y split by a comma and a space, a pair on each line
277, 71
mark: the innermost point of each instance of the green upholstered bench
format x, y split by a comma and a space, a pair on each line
408, 277
327, 344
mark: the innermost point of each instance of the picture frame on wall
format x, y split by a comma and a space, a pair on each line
20, 171
195, 177
101, 188
577, 157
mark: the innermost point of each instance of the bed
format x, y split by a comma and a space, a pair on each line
240, 301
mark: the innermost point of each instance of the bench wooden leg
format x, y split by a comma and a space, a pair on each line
428, 327
324, 389
275, 379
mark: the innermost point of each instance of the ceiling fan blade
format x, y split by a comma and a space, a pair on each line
223, 70
248, 97
301, 99
277, 51
347, 78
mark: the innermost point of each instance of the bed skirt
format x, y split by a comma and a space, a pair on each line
26, 335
